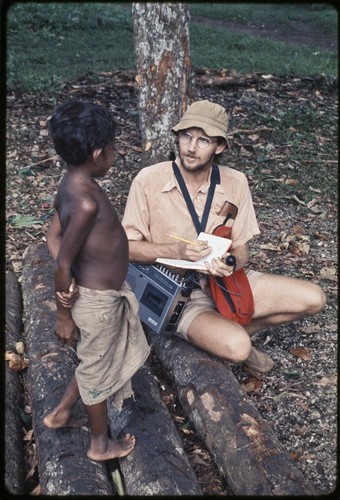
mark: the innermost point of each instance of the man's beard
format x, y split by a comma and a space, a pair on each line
198, 167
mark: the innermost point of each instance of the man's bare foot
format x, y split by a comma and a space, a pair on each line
57, 419
114, 449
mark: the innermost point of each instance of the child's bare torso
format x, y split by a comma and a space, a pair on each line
102, 261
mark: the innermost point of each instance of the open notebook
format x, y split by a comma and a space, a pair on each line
218, 247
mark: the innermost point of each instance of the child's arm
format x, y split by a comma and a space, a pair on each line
81, 220
53, 238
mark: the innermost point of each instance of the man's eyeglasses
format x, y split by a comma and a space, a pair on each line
202, 142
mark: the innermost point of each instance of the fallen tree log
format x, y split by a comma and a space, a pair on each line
14, 445
244, 447
64, 468
158, 465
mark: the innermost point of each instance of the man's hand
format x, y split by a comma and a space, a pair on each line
67, 299
193, 251
67, 331
218, 267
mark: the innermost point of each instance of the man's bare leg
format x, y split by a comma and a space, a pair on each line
61, 415
215, 334
101, 446
280, 300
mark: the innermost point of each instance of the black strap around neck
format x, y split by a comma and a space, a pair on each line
214, 179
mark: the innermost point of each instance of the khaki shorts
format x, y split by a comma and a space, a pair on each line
199, 303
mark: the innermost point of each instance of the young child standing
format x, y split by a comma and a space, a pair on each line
90, 248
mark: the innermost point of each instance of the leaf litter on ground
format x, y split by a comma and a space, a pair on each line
292, 172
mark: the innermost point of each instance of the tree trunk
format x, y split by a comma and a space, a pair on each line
64, 468
161, 41
243, 445
158, 465
14, 445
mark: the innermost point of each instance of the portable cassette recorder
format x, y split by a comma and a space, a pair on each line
161, 294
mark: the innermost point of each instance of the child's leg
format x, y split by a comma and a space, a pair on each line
101, 446
61, 415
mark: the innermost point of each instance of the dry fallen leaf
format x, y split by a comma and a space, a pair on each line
301, 404
306, 456
20, 347
328, 273
311, 328
270, 246
198, 461
252, 385
301, 352
332, 380
298, 243
148, 145
290, 181
15, 362
300, 248
29, 435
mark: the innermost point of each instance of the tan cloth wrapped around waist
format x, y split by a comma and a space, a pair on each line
112, 344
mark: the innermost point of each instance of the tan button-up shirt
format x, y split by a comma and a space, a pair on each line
156, 206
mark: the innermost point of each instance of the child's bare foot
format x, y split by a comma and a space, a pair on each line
114, 449
57, 419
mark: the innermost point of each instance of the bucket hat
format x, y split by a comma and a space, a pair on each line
210, 117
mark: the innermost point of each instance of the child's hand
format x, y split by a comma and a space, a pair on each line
67, 299
67, 331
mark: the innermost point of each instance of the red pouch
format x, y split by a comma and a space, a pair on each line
232, 294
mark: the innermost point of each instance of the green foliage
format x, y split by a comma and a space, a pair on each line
49, 44
24, 221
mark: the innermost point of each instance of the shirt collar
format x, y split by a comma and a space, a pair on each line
172, 183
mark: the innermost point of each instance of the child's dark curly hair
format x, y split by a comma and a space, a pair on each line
78, 128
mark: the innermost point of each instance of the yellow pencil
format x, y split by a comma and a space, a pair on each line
182, 239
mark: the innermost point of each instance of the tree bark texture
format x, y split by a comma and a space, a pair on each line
243, 445
64, 468
158, 465
14, 447
161, 42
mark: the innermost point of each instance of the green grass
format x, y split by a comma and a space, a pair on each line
322, 15
248, 54
49, 44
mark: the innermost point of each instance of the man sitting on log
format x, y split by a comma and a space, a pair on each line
157, 207
90, 248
